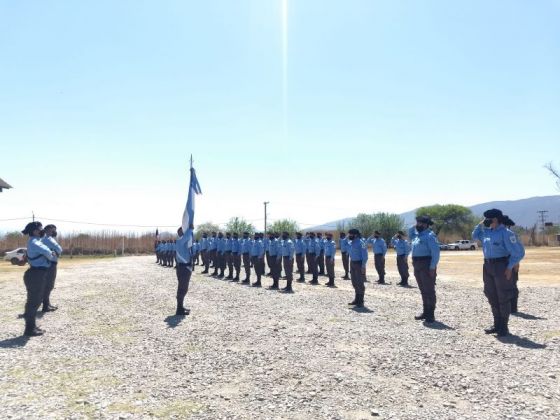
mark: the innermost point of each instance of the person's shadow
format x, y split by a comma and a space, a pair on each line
528, 316
523, 342
173, 321
437, 325
14, 342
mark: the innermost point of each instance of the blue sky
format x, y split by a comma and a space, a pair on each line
390, 105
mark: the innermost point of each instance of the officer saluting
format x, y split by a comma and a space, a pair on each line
39, 257
358, 261
51, 243
425, 258
183, 268
515, 272
502, 252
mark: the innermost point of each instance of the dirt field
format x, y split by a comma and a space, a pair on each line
115, 350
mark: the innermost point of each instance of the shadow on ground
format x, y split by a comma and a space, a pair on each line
523, 342
528, 316
14, 342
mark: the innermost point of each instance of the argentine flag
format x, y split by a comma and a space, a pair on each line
188, 215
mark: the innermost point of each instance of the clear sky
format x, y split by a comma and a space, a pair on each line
385, 106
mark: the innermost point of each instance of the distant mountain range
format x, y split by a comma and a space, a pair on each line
523, 212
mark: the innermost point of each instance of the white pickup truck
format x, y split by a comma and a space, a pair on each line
462, 245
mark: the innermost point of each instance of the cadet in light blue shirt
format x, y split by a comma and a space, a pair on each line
228, 255
425, 258
236, 256
502, 252
330, 254
344, 246
51, 243
402, 248
300, 247
184, 267
321, 255
246, 245
39, 257
257, 257
287, 251
275, 260
220, 256
358, 261
314, 250
379, 248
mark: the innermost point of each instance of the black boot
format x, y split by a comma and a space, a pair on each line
421, 315
31, 330
288, 288
355, 301
514, 305
182, 311
430, 314
494, 328
257, 284
503, 330
274, 285
360, 301
330, 283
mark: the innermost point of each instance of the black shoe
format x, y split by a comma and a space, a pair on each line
329, 284
235, 280
287, 289
430, 317
273, 287
360, 301
182, 311
49, 308
301, 280
503, 332
421, 315
355, 301
256, 284
246, 281
380, 281
491, 330
33, 332
230, 277
221, 276
314, 282
204, 272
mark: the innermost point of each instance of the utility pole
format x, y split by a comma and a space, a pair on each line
33, 215
542, 214
265, 215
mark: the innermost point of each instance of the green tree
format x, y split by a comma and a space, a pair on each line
386, 223
450, 219
239, 225
284, 225
205, 227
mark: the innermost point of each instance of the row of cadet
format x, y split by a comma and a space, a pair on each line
501, 248
229, 246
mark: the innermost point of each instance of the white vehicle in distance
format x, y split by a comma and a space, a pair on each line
17, 256
463, 244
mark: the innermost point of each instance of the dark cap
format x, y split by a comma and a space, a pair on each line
377, 232
30, 227
425, 219
354, 232
50, 227
493, 213
507, 221
400, 232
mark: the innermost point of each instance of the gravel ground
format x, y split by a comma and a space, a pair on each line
112, 350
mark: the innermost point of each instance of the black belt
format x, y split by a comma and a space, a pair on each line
183, 264
246, 253
426, 258
377, 255
344, 252
54, 262
401, 255
356, 262
495, 260
38, 268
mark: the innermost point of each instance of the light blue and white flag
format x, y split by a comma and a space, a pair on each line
188, 215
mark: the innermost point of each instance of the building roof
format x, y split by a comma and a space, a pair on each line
4, 185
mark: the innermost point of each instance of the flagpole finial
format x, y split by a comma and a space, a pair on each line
191, 162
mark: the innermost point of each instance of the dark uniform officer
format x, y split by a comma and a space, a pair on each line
51, 243
515, 272
300, 247
402, 248
343, 245
425, 258
502, 252
183, 268
358, 261
157, 249
39, 257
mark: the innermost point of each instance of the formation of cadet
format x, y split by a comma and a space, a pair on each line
42, 255
166, 251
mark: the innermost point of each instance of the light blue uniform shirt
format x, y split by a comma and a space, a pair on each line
358, 251
51, 243
313, 246
266, 244
402, 247
184, 253
498, 243
300, 246
424, 244
288, 248
212, 243
378, 245
343, 244
321, 242
221, 245
204, 244
330, 248
257, 248
246, 246
273, 247
235, 246
228, 244
38, 254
